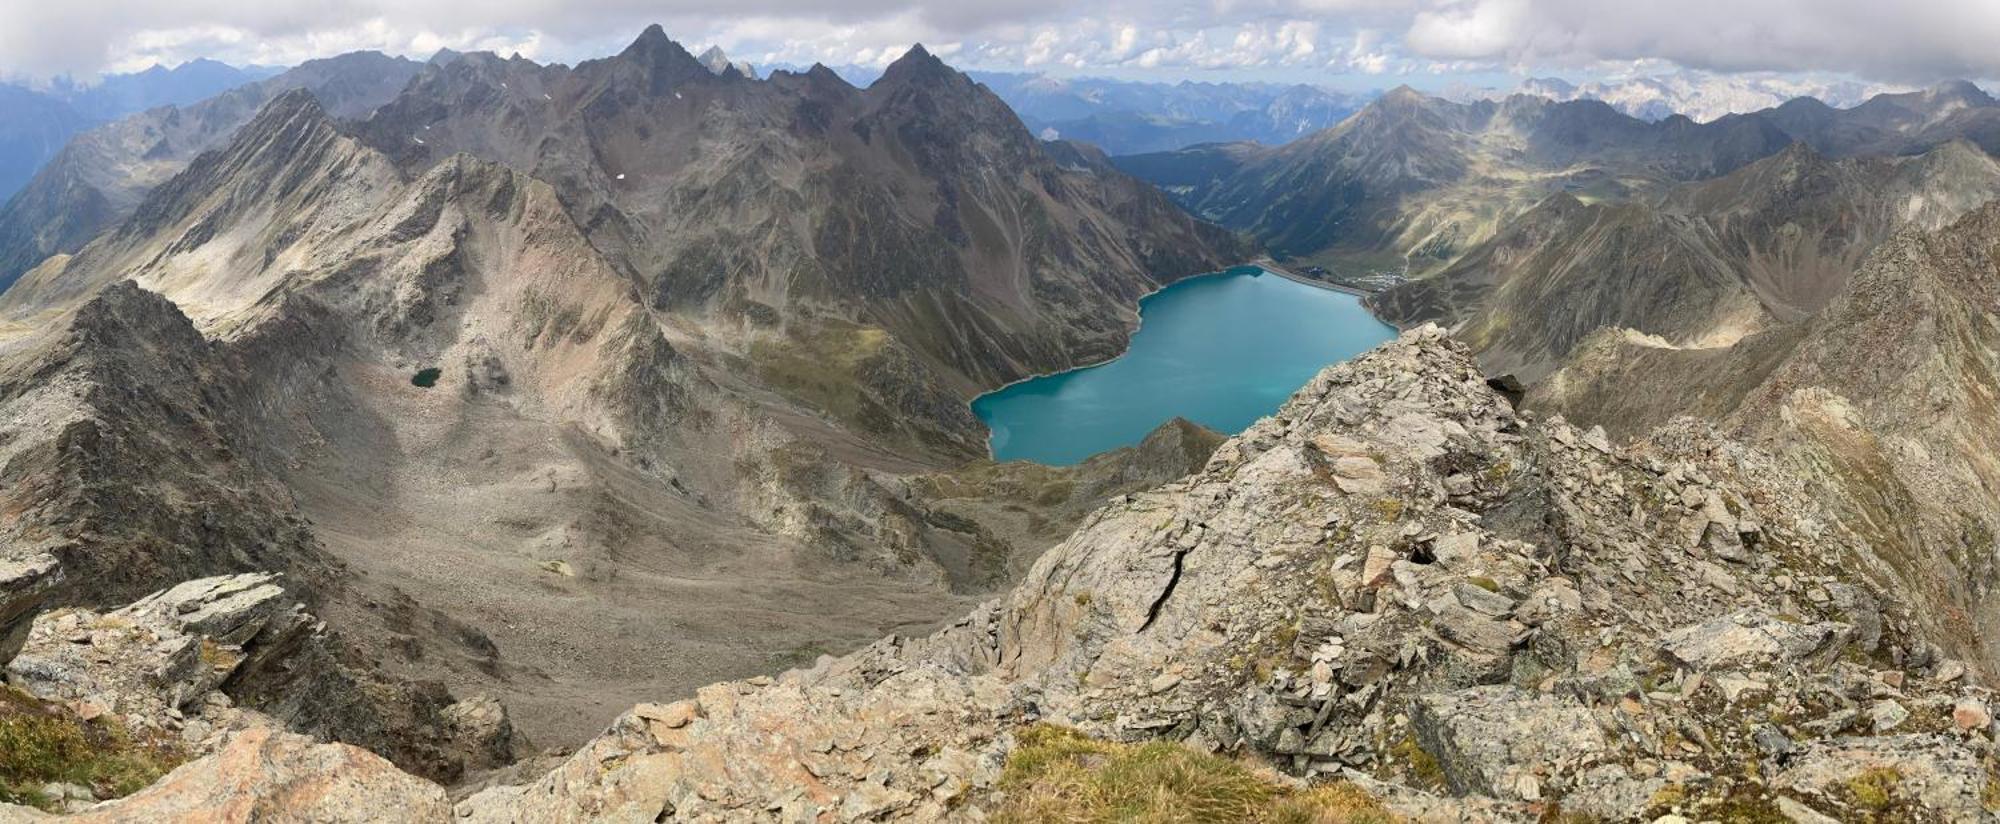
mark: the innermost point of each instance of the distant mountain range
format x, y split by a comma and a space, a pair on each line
1129, 117
35, 121
1412, 182
103, 173
1703, 97
1124, 117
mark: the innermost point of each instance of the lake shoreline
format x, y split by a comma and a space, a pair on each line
1262, 265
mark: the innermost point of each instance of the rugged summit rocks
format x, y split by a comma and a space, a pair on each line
1399, 581
1887, 390
206, 659
1547, 631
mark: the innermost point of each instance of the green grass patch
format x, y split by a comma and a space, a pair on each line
43, 743
822, 367
1061, 775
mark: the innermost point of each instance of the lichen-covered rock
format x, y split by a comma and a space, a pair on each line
916, 745
1751, 639
156, 662
1899, 777
1501, 742
205, 658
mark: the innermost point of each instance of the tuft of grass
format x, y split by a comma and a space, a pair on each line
42, 743
1874, 789
1060, 775
1425, 771
1665, 800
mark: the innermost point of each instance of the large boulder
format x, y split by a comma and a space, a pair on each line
1751, 639
190, 659
1897, 777
1503, 742
273, 777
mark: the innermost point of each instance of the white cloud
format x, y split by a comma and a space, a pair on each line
1906, 40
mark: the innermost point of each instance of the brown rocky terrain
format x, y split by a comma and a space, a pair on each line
1398, 582
1891, 387
452, 378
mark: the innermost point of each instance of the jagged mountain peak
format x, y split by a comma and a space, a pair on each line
290, 104
718, 62
652, 36
1404, 93
917, 64
660, 54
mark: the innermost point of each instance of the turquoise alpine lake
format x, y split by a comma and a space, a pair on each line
1221, 350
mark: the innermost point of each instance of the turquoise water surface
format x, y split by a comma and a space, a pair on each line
1222, 350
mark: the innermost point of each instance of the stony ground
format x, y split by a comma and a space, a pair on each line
1398, 583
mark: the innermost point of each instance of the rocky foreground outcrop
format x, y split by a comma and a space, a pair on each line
198, 667
1398, 580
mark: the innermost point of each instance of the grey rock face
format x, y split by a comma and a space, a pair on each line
1750, 640
1501, 742
1937, 775
24, 584
206, 658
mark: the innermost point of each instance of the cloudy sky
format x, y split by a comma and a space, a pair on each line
1370, 43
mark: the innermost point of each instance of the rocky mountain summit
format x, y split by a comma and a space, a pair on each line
1398, 582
